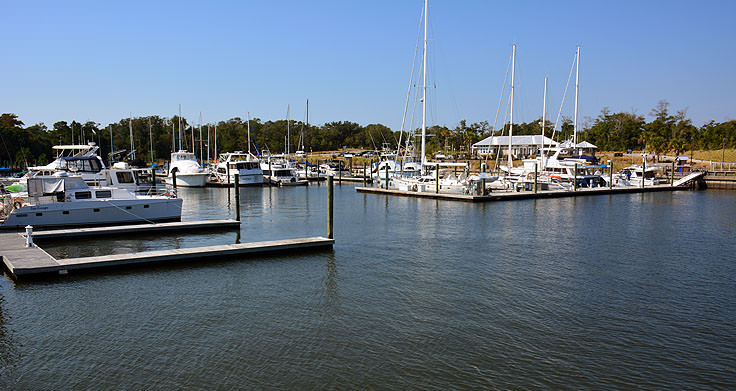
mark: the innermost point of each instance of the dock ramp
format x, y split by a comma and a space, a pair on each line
689, 178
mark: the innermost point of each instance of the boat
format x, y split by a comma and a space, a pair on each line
246, 165
633, 176
80, 160
279, 171
334, 168
63, 200
188, 171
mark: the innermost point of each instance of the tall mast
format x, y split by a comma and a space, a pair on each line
577, 91
306, 129
287, 131
173, 137
248, 133
424, 87
511, 125
215, 140
180, 132
544, 118
130, 126
201, 155
191, 129
150, 136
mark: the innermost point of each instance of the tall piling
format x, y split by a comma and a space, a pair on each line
330, 207
237, 196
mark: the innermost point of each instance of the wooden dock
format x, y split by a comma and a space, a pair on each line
136, 229
22, 262
522, 195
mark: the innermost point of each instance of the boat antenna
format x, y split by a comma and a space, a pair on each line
201, 155
180, 132
150, 136
287, 131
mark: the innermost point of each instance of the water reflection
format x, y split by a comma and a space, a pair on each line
328, 291
9, 354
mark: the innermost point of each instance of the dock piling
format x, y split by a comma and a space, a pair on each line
173, 179
535, 178
364, 174
437, 179
386, 176
237, 196
575, 178
330, 206
643, 171
672, 175
29, 236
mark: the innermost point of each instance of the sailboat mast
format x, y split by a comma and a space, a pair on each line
306, 129
180, 132
577, 91
201, 155
191, 129
248, 133
424, 87
215, 140
511, 125
130, 127
112, 145
150, 136
544, 119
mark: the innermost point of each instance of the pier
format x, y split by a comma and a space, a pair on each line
522, 195
22, 261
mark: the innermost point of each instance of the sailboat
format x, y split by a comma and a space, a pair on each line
433, 179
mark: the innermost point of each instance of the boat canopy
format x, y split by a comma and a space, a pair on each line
41, 185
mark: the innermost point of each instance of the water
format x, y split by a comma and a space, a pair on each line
601, 292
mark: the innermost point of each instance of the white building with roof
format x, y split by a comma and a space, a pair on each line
520, 145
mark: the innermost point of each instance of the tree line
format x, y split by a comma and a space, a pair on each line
31, 145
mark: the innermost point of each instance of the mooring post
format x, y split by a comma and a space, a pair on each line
535, 178
437, 179
365, 181
610, 174
173, 179
153, 177
270, 171
643, 171
483, 179
386, 176
330, 206
29, 236
339, 172
672, 175
228, 172
237, 196
575, 178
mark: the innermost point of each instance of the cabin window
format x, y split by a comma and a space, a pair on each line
96, 210
83, 195
39, 214
128, 207
65, 212
125, 177
22, 215
146, 206
103, 194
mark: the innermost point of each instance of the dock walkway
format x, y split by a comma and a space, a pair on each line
178, 226
523, 195
21, 261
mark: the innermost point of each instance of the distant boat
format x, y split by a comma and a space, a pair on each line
246, 165
188, 171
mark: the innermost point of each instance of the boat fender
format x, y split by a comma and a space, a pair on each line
414, 188
17, 203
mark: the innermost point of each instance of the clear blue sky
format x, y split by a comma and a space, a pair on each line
100, 60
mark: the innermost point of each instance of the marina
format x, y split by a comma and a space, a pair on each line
423, 195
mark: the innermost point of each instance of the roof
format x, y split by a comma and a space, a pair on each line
515, 141
585, 144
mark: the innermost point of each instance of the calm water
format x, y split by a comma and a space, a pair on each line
604, 292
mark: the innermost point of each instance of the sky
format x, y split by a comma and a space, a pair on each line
102, 61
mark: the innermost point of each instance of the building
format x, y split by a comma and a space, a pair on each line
521, 146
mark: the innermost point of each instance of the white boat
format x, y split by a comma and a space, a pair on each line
80, 160
188, 171
633, 176
280, 172
246, 165
334, 168
62, 200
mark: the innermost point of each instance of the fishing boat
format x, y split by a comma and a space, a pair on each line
279, 171
62, 200
188, 171
246, 165
80, 160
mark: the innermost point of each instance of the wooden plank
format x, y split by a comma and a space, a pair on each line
137, 228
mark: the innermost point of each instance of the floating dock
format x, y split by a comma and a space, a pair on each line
522, 195
22, 261
136, 229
